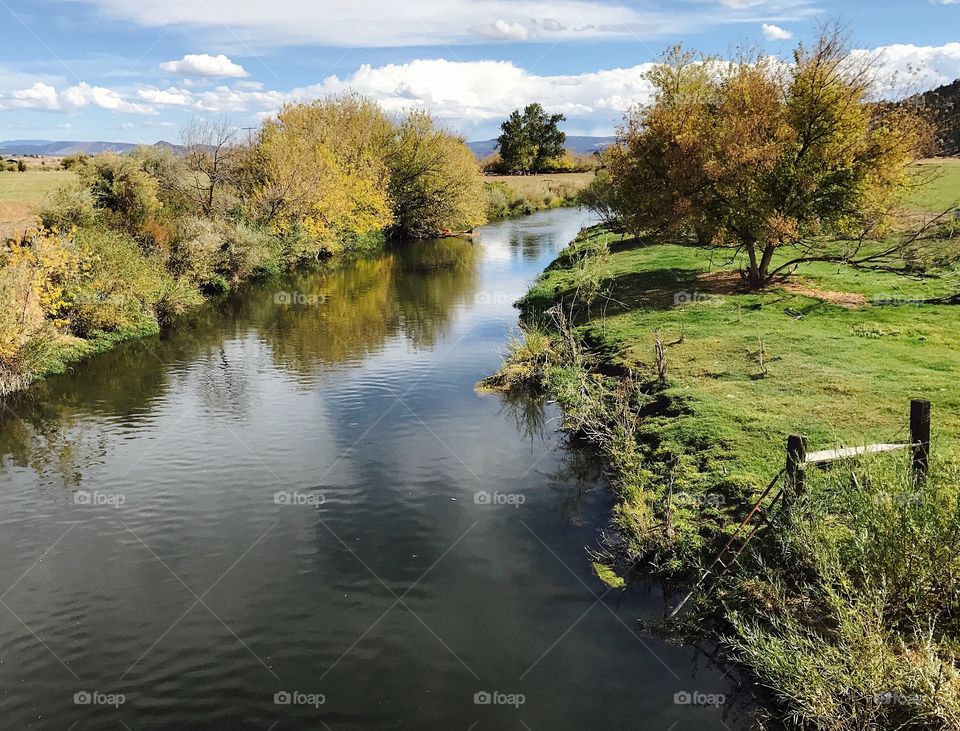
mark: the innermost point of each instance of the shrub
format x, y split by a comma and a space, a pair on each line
122, 187
33, 307
118, 286
863, 608
197, 252
69, 207
250, 251
72, 162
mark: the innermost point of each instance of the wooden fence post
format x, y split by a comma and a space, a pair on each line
920, 438
796, 461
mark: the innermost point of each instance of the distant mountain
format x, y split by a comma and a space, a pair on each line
51, 148
577, 144
944, 104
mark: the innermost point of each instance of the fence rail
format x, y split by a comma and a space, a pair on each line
798, 460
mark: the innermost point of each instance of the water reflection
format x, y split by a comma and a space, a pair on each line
361, 389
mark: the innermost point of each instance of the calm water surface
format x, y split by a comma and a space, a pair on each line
301, 494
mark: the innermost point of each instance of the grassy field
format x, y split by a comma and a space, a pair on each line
943, 192
839, 364
851, 591
512, 195
22, 193
532, 185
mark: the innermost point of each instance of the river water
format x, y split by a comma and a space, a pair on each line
295, 512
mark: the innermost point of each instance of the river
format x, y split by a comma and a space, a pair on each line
295, 512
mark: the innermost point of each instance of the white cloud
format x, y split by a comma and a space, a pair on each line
204, 65
38, 96
83, 95
907, 68
775, 33
46, 97
166, 97
389, 23
472, 91
469, 95
501, 30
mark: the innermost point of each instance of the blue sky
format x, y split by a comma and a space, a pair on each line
138, 70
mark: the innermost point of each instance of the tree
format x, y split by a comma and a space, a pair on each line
435, 182
531, 140
211, 151
754, 155
321, 167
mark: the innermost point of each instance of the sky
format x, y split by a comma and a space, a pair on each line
140, 70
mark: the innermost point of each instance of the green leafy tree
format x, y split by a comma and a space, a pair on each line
435, 182
531, 140
751, 155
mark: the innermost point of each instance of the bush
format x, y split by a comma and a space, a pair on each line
69, 207
122, 187
197, 252
858, 625
118, 286
33, 307
72, 162
250, 251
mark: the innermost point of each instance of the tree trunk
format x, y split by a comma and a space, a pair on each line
753, 273
758, 274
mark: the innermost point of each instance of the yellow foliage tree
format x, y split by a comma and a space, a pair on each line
435, 180
321, 166
754, 155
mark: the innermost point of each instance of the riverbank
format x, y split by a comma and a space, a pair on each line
143, 237
517, 195
850, 596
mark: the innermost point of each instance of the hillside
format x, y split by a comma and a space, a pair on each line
51, 148
945, 105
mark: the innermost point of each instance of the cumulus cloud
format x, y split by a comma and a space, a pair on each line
203, 64
465, 94
38, 96
45, 97
83, 95
905, 67
775, 33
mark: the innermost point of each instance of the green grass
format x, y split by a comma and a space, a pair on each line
540, 185
22, 193
943, 191
840, 375
32, 188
